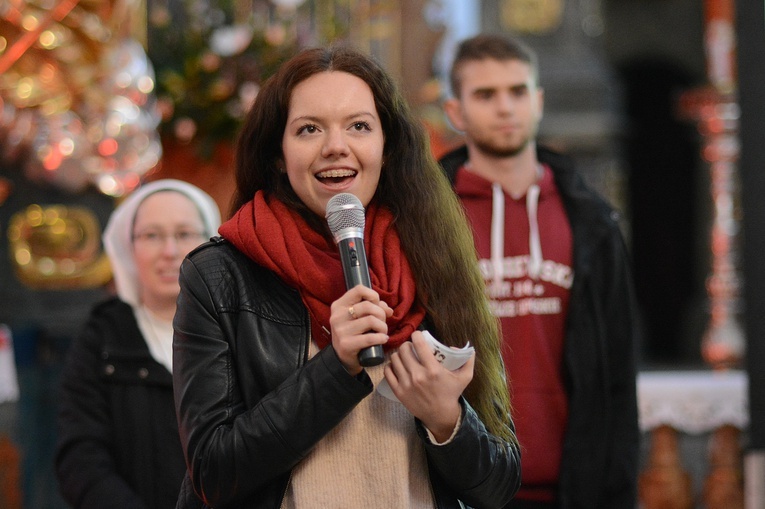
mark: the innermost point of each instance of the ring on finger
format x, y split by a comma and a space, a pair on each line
351, 312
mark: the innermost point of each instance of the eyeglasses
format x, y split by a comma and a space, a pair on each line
157, 239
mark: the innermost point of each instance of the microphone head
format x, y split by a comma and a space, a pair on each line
345, 216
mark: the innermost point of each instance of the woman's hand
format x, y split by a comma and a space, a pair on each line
358, 320
426, 388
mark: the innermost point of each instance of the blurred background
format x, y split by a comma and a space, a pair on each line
650, 96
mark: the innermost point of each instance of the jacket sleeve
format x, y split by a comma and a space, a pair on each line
478, 468
626, 330
233, 450
622, 337
84, 462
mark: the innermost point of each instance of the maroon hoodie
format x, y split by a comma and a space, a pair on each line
525, 250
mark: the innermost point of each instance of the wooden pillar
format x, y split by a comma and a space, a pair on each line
724, 485
664, 484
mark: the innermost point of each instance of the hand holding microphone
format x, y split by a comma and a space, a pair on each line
345, 216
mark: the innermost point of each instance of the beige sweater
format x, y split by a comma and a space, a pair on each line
372, 459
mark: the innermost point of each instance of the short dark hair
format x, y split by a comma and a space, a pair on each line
494, 47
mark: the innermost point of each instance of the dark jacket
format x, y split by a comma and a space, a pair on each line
247, 401
118, 443
600, 453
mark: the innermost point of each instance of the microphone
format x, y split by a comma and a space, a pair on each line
345, 216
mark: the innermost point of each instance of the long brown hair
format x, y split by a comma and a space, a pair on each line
434, 232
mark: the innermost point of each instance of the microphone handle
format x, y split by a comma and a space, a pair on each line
356, 272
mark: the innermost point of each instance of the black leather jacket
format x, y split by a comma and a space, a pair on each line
247, 400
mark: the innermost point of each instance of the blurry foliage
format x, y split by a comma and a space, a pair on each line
210, 59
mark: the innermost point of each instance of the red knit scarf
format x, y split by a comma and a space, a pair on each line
279, 239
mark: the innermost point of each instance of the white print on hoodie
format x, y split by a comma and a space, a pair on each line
528, 293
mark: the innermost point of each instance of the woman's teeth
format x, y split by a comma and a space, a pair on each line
335, 174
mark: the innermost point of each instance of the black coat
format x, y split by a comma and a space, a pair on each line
599, 467
247, 402
118, 443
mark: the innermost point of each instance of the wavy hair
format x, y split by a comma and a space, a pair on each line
431, 223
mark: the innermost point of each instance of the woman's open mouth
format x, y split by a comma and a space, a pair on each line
336, 176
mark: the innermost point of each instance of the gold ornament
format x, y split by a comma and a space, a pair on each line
531, 16
76, 95
57, 247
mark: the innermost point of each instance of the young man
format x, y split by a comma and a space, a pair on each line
557, 275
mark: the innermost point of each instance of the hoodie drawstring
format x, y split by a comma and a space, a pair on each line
535, 245
498, 232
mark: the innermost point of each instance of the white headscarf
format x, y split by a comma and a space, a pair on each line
117, 237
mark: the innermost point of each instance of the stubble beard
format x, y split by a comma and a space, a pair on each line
493, 150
